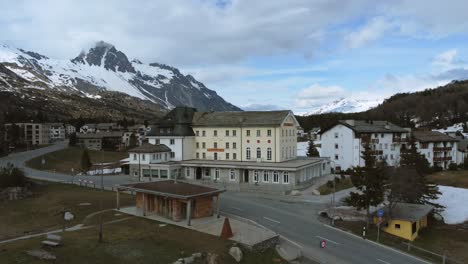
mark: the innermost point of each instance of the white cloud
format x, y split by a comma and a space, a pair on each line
445, 60
318, 94
372, 31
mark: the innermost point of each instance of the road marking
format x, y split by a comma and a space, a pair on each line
383, 261
272, 220
331, 241
236, 208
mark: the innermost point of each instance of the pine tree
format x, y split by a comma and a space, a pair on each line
312, 150
370, 181
414, 167
72, 140
133, 141
85, 162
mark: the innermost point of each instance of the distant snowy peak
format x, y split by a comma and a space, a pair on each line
346, 105
104, 67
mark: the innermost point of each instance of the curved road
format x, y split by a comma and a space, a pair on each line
295, 220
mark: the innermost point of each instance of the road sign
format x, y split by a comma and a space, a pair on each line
323, 243
380, 212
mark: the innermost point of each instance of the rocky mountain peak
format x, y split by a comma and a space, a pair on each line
105, 55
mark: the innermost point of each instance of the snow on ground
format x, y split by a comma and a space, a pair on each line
453, 128
105, 171
303, 146
454, 200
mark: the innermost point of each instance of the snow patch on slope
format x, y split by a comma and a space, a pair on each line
345, 105
454, 200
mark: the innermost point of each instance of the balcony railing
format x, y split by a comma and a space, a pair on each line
442, 158
439, 149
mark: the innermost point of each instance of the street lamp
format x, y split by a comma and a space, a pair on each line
333, 195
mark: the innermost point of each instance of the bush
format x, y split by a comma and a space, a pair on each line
11, 176
453, 167
343, 176
436, 168
330, 184
337, 180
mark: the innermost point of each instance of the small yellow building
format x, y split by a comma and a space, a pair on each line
405, 220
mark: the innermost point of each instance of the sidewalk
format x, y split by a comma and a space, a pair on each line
245, 232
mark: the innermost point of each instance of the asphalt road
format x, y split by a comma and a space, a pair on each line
296, 221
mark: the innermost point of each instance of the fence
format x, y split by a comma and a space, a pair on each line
443, 258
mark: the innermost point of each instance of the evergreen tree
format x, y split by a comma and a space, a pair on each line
414, 167
85, 161
370, 182
312, 150
73, 140
133, 141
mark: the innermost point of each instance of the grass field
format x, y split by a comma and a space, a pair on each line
339, 185
134, 240
41, 212
438, 238
66, 159
451, 178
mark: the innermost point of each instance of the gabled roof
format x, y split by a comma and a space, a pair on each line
246, 118
176, 123
171, 188
369, 126
150, 148
432, 136
407, 211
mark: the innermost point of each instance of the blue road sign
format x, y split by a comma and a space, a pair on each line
380, 212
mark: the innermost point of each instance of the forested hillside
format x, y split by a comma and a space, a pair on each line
432, 108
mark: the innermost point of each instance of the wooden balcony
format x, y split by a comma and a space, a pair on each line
440, 159
442, 149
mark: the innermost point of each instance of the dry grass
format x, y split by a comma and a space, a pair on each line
451, 178
66, 159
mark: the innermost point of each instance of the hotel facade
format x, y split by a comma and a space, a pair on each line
251, 151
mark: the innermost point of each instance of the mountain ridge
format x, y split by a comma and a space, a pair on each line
104, 68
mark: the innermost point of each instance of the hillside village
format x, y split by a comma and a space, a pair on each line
234, 132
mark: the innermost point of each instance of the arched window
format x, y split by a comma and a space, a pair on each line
268, 153
266, 176
247, 153
255, 176
232, 175
259, 153
275, 177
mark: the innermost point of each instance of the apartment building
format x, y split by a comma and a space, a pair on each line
175, 131
439, 149
30, 134
343, 143
57, 131
254, 151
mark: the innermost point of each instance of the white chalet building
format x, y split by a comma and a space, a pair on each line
344, 142
438, 148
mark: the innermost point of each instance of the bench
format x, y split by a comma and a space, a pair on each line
52, 240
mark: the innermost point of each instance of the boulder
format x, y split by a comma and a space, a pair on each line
236, 253
295, 193
315, 192
212, 258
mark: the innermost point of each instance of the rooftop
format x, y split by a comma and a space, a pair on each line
150, 148
290, 164
432, 136
408, 212
171, 188
372, 126
235, 119
99, 135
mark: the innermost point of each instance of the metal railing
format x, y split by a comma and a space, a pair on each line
443, 257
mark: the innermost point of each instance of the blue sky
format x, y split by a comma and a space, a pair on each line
259, 54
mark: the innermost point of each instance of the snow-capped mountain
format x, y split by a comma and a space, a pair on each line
103, 68
345, 105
